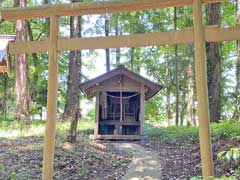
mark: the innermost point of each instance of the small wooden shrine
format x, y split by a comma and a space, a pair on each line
4, 57
120, 96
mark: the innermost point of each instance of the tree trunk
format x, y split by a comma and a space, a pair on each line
190, 95
176, 70
168, 97
117, 49
21, 73
73, 126
183, 108
73, 91
214, 65
237, 111
3, 104
74, 80
107, 50
183, 103
236, 115
132, 58
33, 89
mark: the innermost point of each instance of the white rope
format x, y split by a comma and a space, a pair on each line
124, 97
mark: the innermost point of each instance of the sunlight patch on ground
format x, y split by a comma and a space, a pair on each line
12, 134
29, 147
38, 130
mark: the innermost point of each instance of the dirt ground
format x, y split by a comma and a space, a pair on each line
22, 159
182, 161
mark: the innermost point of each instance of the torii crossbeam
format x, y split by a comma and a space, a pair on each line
198, 35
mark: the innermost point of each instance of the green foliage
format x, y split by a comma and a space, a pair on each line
232, 154
225, 129
91, 114
12, 176
174, 134
181, 134
154, 109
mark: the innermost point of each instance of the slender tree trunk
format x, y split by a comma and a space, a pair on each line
236, 115
190, 95
75, 68
33, 88
214, 65
168, 95
73, 91
5, 89
21, 73
183, 107
132, 58
118, 56
176, 70
107, 50
183, 103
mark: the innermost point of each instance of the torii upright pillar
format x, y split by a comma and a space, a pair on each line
202, 91
49, 139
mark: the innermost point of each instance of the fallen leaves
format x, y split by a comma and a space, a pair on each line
182, 161
22, 158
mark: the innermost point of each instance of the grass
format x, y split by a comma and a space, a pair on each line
175, 134
180, 134
11, 129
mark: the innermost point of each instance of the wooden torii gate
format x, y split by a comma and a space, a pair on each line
198, 35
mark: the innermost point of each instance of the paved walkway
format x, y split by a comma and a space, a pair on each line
145, 164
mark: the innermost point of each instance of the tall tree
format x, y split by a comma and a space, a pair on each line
132, 58
190, 95
21, 72
74, 75
106, 24
214, 65
168, 94
117, 49
74, 79
183, 98
35, 62
176, 69
236, 115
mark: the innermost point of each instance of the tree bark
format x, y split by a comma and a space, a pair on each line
74, 76
73, 126
118, 56
107, 50
183, 103
21, 73
168, 97
214, 65
236, 115
74, 80
190, 95
132, 58
3, 102
176, 70
35, 63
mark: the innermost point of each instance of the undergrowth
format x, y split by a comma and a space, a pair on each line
188, 134
12, 129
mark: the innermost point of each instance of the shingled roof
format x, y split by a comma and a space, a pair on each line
153, 87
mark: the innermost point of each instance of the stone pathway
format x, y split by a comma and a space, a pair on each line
145, 164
